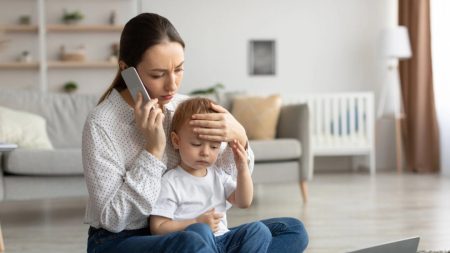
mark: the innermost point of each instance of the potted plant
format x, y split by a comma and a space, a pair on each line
72, 17
114, 53
70, 86
25, 56
25, 20
209, 91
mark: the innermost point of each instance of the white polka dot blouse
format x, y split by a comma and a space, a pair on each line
122, 178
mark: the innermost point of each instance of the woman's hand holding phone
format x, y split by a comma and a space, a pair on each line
149, 119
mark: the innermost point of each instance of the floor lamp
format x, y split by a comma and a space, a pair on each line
395, 47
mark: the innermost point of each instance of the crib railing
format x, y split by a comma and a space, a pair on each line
342, 124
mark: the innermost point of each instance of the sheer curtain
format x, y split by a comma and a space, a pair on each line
420, 126
440, 37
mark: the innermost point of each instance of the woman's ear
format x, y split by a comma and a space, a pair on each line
122, 65
175, 140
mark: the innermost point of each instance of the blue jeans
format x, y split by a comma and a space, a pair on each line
288, 235
251, 237
284, 234
140, 241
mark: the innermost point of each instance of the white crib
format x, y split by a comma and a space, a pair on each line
342, 124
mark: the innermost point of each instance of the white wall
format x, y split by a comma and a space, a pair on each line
441, 60
322, 46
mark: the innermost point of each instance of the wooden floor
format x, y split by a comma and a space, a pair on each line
346, 211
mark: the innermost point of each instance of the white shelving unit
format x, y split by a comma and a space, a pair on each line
46, 34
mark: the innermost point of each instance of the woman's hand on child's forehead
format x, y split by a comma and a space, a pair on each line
200, 141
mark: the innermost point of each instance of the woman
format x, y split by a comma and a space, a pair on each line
126, 150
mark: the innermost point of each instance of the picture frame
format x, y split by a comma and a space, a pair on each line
262, 54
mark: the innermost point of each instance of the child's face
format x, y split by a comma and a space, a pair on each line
196, 154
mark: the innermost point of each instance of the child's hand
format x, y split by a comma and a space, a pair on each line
211, 218
240, 155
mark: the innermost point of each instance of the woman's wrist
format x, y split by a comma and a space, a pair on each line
243, 139
158, 153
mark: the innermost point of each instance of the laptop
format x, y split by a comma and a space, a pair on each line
408, 245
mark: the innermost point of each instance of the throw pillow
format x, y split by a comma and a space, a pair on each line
258, 115
25, 129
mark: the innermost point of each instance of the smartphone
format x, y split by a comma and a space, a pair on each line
134, 84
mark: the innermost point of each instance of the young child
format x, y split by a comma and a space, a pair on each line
197, 191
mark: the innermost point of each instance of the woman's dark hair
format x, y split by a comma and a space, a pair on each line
139, 34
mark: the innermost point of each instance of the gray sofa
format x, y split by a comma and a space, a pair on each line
30, 174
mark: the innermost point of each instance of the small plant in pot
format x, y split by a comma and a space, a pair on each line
25, 57
70, 87
25, 20
72, 17
211, 92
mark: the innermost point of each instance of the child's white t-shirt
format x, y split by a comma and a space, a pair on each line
184, 196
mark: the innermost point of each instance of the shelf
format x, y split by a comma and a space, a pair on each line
19, 28
83, 28
62, 28
81, 64
19, 65
44, 34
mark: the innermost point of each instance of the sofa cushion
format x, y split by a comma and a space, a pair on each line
275, 150
65, 114
226, 98
27, 130
258, 115
44, 162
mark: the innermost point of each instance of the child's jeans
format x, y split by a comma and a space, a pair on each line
285, 235
288, 235
252, 237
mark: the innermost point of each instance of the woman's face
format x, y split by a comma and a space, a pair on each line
161, 70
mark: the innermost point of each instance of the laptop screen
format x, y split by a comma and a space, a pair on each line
408, 245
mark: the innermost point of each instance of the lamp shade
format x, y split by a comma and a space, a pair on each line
395, 43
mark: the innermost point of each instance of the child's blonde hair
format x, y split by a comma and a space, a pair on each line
189, 107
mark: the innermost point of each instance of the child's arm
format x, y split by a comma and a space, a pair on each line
160, 225
243, 195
